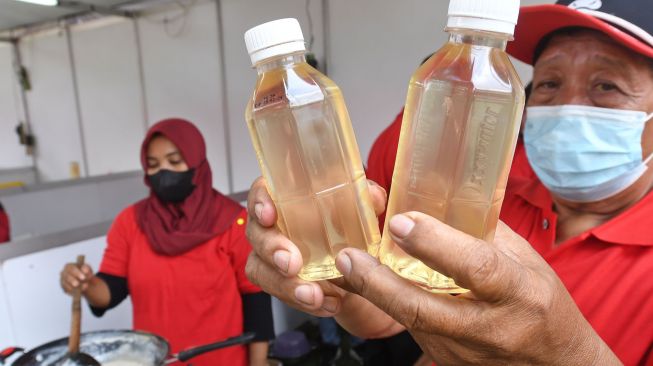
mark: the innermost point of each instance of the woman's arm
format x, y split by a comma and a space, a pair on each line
258, 354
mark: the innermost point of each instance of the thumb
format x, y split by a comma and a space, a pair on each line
411, 306
471, 262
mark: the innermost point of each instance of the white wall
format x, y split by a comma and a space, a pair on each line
110, 94
53, 113
13, 154
182, 76
373, 62
38, 309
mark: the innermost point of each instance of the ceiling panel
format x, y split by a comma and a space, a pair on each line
16, 13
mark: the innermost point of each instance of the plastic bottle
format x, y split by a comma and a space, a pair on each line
307, 151
459, 133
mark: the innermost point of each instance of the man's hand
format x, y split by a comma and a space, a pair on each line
518, 311
275, 261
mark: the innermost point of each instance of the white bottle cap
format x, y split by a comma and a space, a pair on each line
275, 38
498, 16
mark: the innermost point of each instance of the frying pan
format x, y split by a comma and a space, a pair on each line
134, 347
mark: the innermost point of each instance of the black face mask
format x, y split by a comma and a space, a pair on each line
172, 186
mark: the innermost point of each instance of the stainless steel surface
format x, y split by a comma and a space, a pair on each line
67, 183
49, 241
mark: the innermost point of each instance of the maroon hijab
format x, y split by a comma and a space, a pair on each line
175, 228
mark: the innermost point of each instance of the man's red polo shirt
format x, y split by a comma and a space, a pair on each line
608, 270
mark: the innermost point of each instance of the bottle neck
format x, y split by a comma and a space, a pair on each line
477, 38
282, 61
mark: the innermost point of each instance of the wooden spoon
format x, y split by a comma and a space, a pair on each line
74, 357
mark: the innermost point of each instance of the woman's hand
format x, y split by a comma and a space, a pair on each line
94, 289
518, 311
72, 277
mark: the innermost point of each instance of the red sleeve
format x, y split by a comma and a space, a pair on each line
239, 249
4, 226
116, 254
381, 161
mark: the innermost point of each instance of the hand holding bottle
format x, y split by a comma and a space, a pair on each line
518, 311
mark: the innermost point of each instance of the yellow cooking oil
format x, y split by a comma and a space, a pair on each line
309, 157
458, 137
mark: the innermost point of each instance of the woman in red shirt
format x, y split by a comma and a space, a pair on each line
180, 255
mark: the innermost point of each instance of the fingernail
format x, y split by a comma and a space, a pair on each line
258, 210
330, 304
401, 226
343, 263
304, 294
75, 283
281, 259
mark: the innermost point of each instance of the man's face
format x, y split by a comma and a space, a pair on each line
588, 68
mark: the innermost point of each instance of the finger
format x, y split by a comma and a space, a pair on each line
275, 249
260, 205
271, 246
87, 271
74, 271
379, 196
471, 262
411, 306
305, 296
72, 281
77, 272
63, 283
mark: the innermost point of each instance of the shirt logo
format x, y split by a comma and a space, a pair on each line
586, 4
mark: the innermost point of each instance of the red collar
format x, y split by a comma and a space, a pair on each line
632, 227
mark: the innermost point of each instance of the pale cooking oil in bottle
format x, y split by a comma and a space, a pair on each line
307, 152
458, 134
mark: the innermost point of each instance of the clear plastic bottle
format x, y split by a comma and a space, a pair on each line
458, 134
307, 152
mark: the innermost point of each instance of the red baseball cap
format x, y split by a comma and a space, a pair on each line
628, 22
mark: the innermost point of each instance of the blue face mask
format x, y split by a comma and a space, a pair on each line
585, 154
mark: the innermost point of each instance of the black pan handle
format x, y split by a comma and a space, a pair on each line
193, 352
8, 352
